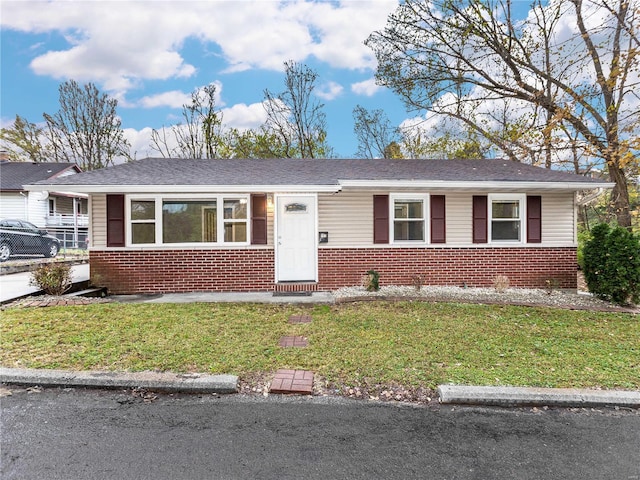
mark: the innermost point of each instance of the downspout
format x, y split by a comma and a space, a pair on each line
591, 197
26, 206
588, 199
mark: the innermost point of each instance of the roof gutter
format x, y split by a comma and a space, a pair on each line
475, 185
185, 188
590, 198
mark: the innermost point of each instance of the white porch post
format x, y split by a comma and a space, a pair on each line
75, 222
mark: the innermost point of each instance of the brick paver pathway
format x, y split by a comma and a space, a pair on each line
300, 342
300, 319
292, 381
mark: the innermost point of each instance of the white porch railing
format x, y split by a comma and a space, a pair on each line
59, 220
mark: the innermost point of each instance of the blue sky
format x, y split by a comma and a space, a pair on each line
151, 54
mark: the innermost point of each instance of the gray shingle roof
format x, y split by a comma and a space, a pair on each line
237, 172
13, 175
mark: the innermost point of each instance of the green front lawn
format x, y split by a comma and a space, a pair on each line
414, 344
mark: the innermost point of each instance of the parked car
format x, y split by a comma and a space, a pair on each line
18, 237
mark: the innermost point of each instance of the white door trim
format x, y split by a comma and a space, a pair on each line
277, 199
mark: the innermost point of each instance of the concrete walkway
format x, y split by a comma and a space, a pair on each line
232, 297
16, 285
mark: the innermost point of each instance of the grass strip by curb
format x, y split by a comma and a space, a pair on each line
407, 343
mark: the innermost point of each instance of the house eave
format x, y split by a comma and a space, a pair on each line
352, 184
91, 189
473, 185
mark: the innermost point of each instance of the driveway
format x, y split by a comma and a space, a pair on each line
16, 285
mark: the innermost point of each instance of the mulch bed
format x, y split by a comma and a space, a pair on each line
421, 298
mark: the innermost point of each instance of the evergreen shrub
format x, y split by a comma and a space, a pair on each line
612, 264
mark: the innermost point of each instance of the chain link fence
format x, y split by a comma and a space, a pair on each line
71, 240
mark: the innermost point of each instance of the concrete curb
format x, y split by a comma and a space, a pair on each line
198, 383
165, 382
525, 396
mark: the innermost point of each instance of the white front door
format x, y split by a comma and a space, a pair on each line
296, 248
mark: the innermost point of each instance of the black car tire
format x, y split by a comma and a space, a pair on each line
5, 252
52, 251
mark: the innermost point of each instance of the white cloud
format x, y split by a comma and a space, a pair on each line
329, 91
120, 44
140, 141
244, 117
173, 99
342, 29
368, 88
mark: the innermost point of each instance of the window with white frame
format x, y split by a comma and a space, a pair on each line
409, 217
170, 220
235, 220
506, 217
143, 221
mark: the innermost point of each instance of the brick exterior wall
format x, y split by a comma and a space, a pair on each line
474, 267
183, 270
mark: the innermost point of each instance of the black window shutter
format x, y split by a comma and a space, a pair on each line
115, 220
259, 219
381, 219
534, 219
438, 219
480, 219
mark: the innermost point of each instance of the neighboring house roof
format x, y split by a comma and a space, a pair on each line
182, 175
14, 175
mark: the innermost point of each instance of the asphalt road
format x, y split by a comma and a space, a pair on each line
78, 434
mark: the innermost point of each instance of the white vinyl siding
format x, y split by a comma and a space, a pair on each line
270, 223
38, 209
98, 227
348, 217
558, 218
13, 205
459, 218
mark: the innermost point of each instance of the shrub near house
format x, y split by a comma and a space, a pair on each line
612, 264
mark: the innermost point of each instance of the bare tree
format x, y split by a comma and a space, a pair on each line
475, 51
86, 130
374, 133
200, 135
295, 116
